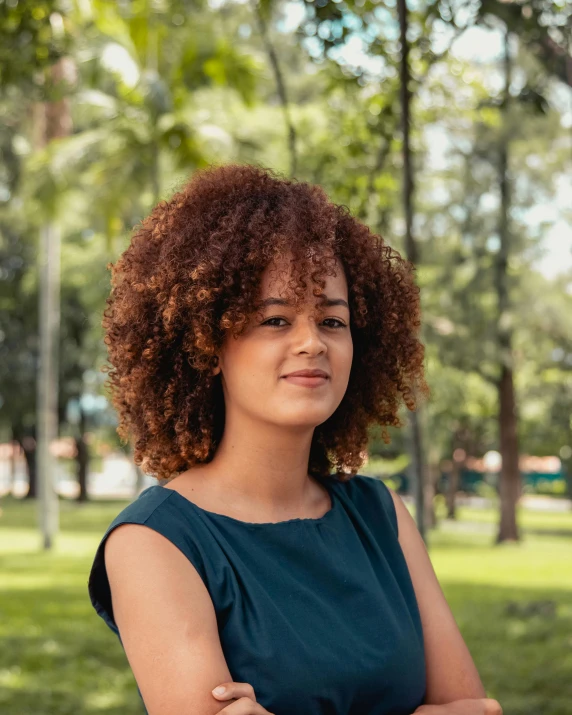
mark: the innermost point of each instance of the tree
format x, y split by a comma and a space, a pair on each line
485, 247
510, 482
418, 461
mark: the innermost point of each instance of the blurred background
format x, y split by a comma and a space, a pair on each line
446, 126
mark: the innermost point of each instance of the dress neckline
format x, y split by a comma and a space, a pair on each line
325, 481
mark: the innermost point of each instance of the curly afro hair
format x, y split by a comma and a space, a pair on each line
192, 272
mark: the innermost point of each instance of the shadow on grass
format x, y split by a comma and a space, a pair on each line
475, 535
521, 643
57, 658
565, 533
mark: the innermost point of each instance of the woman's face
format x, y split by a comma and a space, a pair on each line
254, 366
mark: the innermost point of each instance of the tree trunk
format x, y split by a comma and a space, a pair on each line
14, 454
82, 458
510, 479
509, 485
453, 487
259, 13
27, 443
57, 124
405, 96
567, 472
29, 446
430, 491
417, 459
139, 477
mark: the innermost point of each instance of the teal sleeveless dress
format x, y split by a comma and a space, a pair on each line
318, 615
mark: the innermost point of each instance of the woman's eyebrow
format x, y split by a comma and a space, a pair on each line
282, 301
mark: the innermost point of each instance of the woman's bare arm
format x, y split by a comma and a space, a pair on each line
451, 672
167, 623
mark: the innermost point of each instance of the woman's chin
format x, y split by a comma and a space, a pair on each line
306, 418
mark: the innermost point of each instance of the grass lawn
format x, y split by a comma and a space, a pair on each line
513, 604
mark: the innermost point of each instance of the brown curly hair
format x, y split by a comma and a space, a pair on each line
191, 273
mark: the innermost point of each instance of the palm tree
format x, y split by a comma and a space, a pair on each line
141, 122
132, 127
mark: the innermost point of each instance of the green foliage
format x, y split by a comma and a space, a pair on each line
385, 468
164, 88
34, 33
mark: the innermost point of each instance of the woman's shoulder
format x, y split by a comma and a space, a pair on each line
155, 508
371, 496
160, 509
143, 506
363, 485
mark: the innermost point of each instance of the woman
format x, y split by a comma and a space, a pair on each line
256, 331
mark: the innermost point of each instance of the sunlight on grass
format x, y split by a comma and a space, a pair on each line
527, 518
537, 561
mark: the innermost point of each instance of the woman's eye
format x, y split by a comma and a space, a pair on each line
339, 323
267, 322
335, 320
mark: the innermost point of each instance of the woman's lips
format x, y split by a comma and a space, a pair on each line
306, 381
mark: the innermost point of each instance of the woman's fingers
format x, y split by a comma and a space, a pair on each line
492, 707
234, 690
243, 697
244, 706
473, 706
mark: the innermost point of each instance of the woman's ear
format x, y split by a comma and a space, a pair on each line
216, 367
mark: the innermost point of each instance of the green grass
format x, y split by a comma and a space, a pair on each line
57, 656
552, 522
513, 604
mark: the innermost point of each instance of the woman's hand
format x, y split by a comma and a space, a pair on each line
480, 706
244, 699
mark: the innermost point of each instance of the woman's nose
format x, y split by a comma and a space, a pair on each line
308, 336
